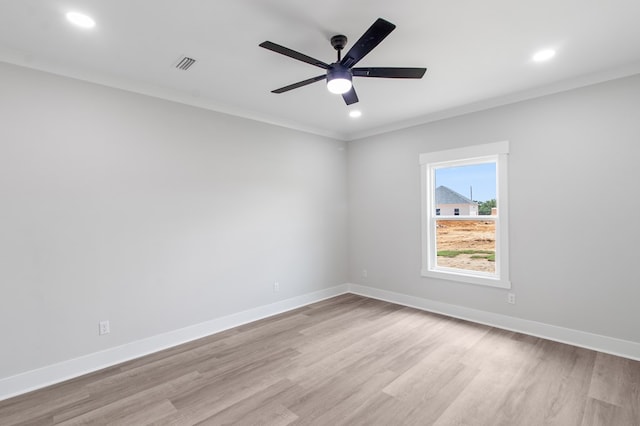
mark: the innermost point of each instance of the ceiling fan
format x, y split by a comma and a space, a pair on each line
339, 74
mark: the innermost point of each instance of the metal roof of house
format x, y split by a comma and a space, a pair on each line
446, 195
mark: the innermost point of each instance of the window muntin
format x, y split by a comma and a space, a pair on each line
465, 237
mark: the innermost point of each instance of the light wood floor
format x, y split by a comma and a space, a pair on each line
350, 361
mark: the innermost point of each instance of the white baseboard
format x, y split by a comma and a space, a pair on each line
597, 342
56, 373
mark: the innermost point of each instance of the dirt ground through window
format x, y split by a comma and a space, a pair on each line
466, 235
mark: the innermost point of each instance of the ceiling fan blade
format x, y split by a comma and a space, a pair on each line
299, 84
370, 39
388, 72
293, 54
350, 97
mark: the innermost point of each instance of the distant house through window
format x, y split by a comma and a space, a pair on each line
449, 202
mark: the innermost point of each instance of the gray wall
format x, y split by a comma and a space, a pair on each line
574, 206
158, 216
151, 214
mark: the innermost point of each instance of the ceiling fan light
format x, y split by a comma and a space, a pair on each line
339, 80
339, 85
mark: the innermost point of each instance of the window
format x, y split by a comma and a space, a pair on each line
465, 215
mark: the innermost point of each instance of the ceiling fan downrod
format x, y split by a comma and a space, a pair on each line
339, 42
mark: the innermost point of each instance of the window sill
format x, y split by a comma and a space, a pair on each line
460, 276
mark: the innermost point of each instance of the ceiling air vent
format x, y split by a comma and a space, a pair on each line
184, 63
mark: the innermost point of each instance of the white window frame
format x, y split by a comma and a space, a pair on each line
494, 152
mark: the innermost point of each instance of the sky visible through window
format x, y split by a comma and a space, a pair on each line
462, 179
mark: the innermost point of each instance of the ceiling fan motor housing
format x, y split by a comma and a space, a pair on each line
336, 70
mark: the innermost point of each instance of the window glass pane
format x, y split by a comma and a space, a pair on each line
466, 190
466, 244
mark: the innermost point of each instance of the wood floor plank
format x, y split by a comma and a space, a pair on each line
358, 396
599, 413
427, 371
617, 381
608, 383
556, 382
500, 357
349, 360
144, 415
196, 407
154, 398
260, 408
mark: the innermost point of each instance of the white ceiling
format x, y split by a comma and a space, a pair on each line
477, 53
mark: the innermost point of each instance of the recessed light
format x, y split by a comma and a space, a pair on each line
355, 113
544, 55
81, 20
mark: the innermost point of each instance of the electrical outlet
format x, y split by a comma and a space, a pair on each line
511, 298
104, 328
365, 273
276, 286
